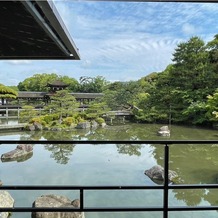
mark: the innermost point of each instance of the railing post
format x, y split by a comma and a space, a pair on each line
81, 199
166, 173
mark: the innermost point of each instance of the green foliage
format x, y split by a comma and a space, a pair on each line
7, 93
28, 113
92, 84
100, 120
151, 116
38, 120
179, 93
68, 121
73, 84
196, 113
212, 47
50, 117
96, 110
38, 82
212, 107
121, 95
63, 104
15, 88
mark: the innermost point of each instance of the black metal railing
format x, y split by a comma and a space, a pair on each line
165, 208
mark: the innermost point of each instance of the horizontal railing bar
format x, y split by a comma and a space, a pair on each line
85, 209
189, 208
108, 142
193, 186
70, 187
58, 187
105, 209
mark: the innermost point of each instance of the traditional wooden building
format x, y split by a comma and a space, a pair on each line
82, 98
57, 86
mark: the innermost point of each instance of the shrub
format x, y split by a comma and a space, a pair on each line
68, 121
48, 118
55, 123
100, 120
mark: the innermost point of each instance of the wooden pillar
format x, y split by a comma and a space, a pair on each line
18, 112
111, 120
123, 119
7, 112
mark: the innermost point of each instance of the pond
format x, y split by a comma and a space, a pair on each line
113, 164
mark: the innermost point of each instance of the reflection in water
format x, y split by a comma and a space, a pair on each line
129, 149
194, 164
60, 152
190, 197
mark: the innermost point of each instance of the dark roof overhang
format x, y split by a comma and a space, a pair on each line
34, 30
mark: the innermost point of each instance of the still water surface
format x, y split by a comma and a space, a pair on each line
115, 165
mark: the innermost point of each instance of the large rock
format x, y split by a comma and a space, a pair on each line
83, 125
56, 201
5, 201
30, 127
94, 124
34, 127
163, 131
156, 173
38, 126
21, 153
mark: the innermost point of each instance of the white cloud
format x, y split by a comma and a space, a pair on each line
189, 29
18, 62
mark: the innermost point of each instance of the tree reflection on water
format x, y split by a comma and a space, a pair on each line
195, 164
190, 197
60, 152
129, 149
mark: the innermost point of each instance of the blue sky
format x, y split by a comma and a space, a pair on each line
120, 41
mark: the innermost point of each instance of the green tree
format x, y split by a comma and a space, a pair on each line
63, 104
28, 112
212, 107
179, 93
121, 95
182, 88
38, 82
212, 47
191, 65
96, 110
73, 84
192, 80
92, 84
7, 93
